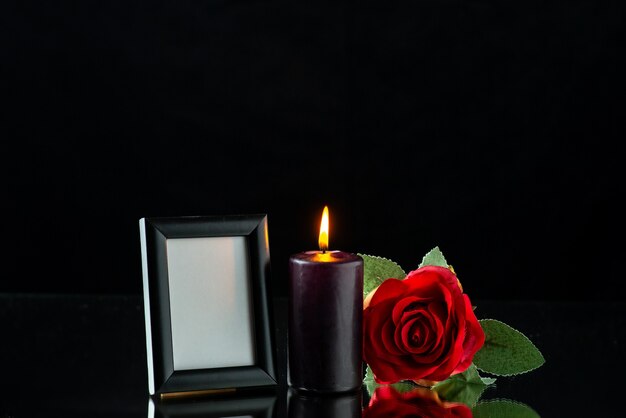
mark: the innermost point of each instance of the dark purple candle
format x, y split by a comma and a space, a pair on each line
325, 321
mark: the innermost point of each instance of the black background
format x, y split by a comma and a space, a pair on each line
491, 129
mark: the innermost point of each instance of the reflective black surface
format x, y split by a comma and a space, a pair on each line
85, 356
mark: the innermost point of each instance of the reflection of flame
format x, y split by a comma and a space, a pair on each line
323, 241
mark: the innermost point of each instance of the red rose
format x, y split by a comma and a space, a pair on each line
387, 402
422, 327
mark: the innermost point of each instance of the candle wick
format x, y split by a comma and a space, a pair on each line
323, 251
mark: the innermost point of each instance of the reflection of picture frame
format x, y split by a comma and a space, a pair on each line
206, 303
252, 406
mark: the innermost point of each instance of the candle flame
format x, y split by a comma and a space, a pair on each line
323, 241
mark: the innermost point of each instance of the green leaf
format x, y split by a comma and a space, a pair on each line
371, 385
434, 258
488, 380
466, 387
503, 408
377, 269
404, 386
369, 382
506, 351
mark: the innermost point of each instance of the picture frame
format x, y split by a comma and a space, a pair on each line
207, 303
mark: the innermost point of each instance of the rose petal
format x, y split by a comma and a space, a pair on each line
424, 283
397, 336
407, 304
447, 275
428, 336
415, 370
384, 373
391, 346
374, 319
474, 337
407, 331
438, 315
420, 335
452, 357
389, 289
422, 341
432, 350
387, 367
403, 335
440, 274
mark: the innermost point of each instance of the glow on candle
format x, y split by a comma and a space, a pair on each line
323, 240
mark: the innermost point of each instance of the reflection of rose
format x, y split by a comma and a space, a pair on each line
387, 402
422, 327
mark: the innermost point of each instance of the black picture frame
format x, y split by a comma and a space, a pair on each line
163, 378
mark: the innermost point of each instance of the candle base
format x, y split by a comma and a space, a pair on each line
306, 405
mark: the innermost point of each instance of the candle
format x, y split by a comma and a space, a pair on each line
325, 318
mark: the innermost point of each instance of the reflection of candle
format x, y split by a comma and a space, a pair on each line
315, 406
325, 317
